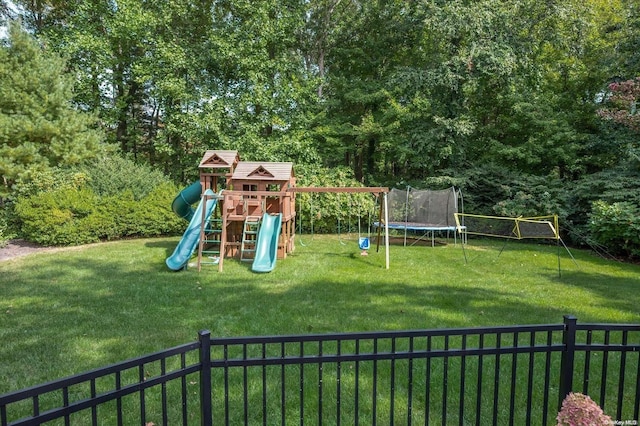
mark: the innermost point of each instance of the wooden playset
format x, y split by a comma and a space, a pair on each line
242, 192
246, 190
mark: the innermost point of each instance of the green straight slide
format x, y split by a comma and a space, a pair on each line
181, 255
267, 245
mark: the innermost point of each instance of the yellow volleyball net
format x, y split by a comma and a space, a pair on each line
517, 228
510, 228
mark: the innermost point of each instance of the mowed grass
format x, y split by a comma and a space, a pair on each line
76, 309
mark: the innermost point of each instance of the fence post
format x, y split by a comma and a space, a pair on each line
568, 358
206, 419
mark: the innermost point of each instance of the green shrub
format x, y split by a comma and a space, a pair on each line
58, 217
492, 190
616, 226
155, 216
533, 196
114, 175
614, 185
148, 217
48, 180
113, 198
69, 216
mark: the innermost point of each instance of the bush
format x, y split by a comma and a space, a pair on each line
616, 226
534, 196
111, 199
58, 217
114, 175
69, 216
4, 239
614, 185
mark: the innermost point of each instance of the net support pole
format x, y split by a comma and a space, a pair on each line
406, 215
386, 230
380, 222
558, 245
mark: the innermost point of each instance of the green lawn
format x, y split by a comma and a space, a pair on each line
80, 308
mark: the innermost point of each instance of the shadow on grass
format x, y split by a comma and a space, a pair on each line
62, 314
168, 245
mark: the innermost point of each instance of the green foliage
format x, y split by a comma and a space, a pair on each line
71, 216
113, 175
58, 217
39, 129
614, 185
51, 179
4, 230
112, 198
616, 226
497, 98
493, 190
533, 196
327, 211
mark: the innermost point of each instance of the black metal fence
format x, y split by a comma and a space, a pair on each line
493, 375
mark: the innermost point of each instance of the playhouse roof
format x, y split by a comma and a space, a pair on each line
253, 170
219, 159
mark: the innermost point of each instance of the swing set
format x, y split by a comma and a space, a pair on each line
364, 237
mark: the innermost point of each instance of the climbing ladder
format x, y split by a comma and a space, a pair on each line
249, 238
210, 241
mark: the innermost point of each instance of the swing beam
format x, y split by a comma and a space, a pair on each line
378, 190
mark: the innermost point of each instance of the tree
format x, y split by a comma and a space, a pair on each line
39, 128
622, 108
360, 46
170, 79
622, 104
257, 71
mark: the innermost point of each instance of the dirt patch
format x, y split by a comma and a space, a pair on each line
19, 248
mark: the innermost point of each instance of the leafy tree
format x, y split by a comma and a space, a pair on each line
622, 104
627, 31
257, 73
171, 79
39, 128
365, 45
621, 108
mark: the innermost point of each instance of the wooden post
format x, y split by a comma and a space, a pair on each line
224, 209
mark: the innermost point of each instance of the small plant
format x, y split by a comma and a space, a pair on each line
580, 410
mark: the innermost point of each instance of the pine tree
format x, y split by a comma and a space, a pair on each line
39, 127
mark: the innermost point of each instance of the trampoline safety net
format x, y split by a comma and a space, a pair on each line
423, 207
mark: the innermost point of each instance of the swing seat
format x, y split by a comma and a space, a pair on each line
363, 243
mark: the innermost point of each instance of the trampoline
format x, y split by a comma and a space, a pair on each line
425, 212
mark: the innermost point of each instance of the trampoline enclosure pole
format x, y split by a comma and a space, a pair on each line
406, 215
386, 230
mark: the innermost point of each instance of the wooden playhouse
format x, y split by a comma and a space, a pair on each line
246, 190
216, 167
